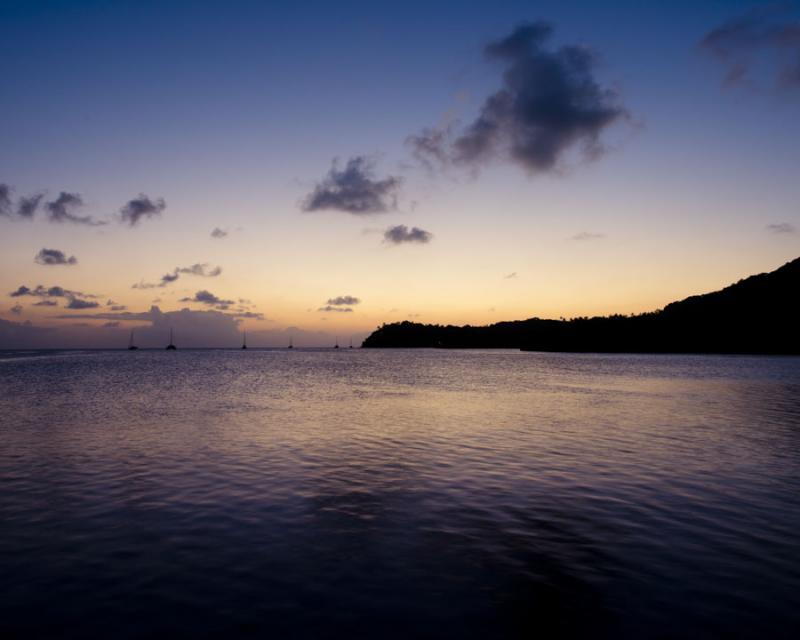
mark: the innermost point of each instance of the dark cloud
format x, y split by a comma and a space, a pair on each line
206, 297
54, 257
200, 269
63, 208
768, 36
549, 104
219, 233
402, 234
16, 309
587, 235
76, 299
49, 292
5, 200
21, 291
781, 227
354, 189
336, 309
25, 209
77, 303
344, 301
28, 206
141, 207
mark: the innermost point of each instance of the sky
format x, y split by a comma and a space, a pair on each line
313, 170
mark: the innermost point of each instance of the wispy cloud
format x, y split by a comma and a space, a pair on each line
781, 227
26, 206
204, 270
63, 209
765, 36
201, 269
218, 233
140, 208
330, 307
587, 235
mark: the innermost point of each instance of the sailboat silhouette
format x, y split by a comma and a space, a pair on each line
244, 339
171, 346
351, 343
336, 346
291, 346
131, 346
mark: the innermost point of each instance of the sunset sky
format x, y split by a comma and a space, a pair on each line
365, 163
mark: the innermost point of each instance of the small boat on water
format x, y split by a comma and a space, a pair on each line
171, 346
244, 340
291, 346
336, 346
131, 346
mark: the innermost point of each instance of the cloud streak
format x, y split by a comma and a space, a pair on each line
63, 210
354, 189
330, 307
201, 269
765, 35
583, 236
781, 228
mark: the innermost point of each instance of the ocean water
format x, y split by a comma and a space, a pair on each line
398, 494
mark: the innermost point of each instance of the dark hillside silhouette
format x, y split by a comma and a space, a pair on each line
756, 315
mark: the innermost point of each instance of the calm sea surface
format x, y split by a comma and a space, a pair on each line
396, 494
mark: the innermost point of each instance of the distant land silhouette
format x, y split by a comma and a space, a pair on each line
756, 315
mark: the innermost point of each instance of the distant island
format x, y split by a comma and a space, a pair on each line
757, 315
